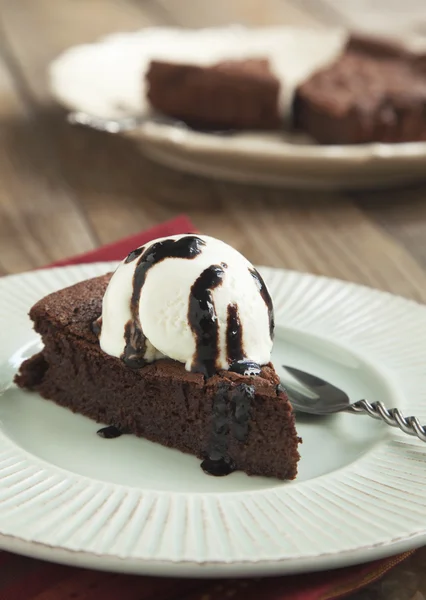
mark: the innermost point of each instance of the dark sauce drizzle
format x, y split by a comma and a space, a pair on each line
263, 290
134, 254
245, 367
186, 247
110, 432
135, 344
231, 415
241, 399
202, 319
97, 325
235, 348
234, 335
231, 407
217, 462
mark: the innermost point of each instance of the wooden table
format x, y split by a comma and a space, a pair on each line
66, 190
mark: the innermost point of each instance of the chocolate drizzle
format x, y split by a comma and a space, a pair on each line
134, 349
231, 406
263, 290
218, 467
134, 254
217, 461
234, 335
241, 399
186, 247
234, 346
245, 367
203, 321
110, 432
231, 416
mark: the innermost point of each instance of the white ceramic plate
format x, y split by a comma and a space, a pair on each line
131, 505
106, 79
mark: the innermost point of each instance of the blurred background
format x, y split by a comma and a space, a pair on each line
65, 190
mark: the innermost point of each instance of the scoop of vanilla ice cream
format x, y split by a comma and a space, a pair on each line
164, 305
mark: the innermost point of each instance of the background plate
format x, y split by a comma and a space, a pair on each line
130, 505
106, 79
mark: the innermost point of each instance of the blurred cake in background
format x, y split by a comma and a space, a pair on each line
234, 94
374, 92
366, 89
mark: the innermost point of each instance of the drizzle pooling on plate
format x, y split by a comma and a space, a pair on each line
110, 432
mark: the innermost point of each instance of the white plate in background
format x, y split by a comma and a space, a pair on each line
106, 79
134, 506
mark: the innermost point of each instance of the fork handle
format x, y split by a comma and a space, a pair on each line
391, 416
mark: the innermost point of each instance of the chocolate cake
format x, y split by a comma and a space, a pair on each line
230, 421
374, 92
240, 94
377, 47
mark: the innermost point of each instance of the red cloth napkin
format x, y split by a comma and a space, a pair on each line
27, 579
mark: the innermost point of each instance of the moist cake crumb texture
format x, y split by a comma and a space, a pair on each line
161, 401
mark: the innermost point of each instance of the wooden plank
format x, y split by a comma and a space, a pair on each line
37, 32
204, 13
119, 188
39, 221
402, 213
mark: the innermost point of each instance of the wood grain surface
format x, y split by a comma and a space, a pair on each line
64, 190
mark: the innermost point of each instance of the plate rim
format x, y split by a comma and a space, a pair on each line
219, 567
188, 569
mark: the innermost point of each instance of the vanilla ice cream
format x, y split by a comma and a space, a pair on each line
191, 298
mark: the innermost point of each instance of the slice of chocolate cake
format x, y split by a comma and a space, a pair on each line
235, 418
239, 94
375, 92
245, 420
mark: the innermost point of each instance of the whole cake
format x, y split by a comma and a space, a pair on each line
175, 347
374, 92
234, 94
